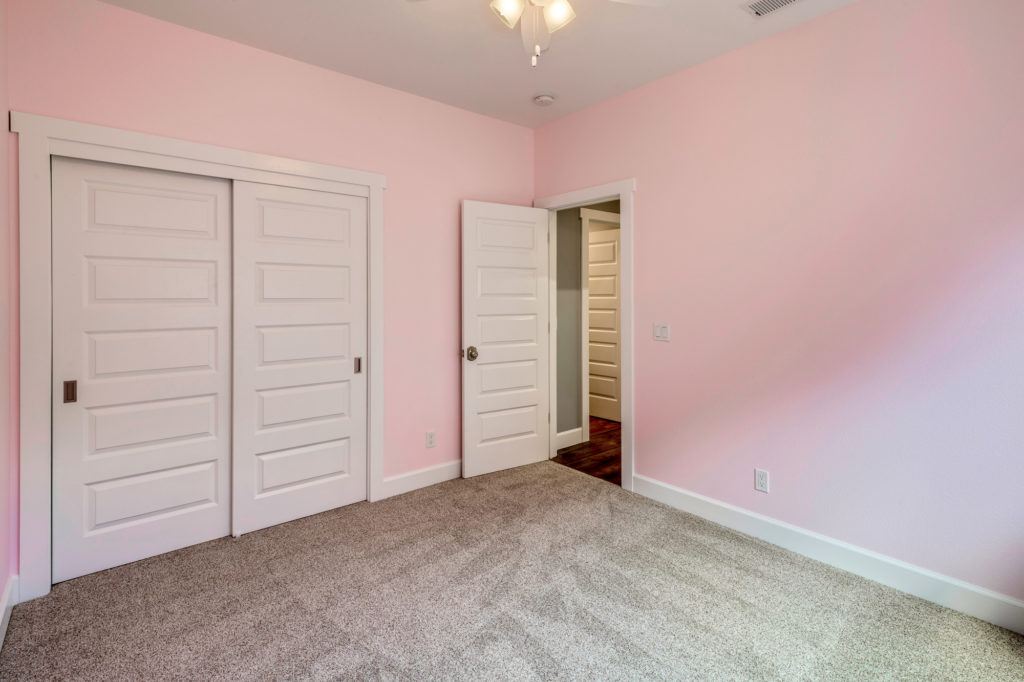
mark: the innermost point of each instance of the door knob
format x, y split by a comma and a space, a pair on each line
472, 354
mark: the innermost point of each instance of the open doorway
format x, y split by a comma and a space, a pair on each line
511, 337
587, 334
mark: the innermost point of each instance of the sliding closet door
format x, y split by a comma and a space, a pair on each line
141, 364
300, 346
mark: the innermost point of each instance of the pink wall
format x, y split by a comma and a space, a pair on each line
832, 221
87, 61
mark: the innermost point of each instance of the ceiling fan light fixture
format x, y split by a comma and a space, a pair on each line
509, 11
535, 33
558, 13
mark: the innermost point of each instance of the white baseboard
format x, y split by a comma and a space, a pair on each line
565, 439
9, 599
1000, 609
421, 478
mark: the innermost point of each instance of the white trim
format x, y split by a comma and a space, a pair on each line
1000, 609
566, 439
591, 195
40, 138
7, 602
622, 190
552, 333
584, 332
421, 478
375, 359
175, 151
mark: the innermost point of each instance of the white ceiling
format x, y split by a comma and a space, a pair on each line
456, 51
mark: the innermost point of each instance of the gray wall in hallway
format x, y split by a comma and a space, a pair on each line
569, 308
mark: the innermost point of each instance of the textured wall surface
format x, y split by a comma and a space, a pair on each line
832, 221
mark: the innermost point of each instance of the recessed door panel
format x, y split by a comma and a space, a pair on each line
139, 424
152, 210
304, 343
151, 280
305, 465
148, 498
132, 352
288, 222
299, 282
294, 405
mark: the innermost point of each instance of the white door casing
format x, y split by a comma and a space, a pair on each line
604, 334
141, 320
300, 323
505, 320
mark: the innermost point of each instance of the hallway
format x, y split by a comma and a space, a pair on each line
601, 456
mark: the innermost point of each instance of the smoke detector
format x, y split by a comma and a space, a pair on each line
544, 100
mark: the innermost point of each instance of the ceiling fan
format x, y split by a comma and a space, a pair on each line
541, 18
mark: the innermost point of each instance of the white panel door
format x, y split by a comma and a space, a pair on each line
141, 321
504, 336
300, 325
604, 316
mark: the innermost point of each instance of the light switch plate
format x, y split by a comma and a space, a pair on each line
662, 332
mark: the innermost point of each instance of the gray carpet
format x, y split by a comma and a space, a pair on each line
535, 573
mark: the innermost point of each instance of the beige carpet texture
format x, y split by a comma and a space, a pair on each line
536, 573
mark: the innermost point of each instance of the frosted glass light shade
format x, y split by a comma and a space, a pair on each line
558, 13
509, 11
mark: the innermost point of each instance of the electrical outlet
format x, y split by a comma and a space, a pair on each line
761, 480
431, 439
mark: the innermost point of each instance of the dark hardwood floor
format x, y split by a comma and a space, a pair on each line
601, 456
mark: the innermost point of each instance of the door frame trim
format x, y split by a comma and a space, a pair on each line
42, 137
624, 191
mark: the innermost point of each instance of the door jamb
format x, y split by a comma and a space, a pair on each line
42, 137
624, 191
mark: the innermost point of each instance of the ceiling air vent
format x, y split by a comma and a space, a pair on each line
765, 7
